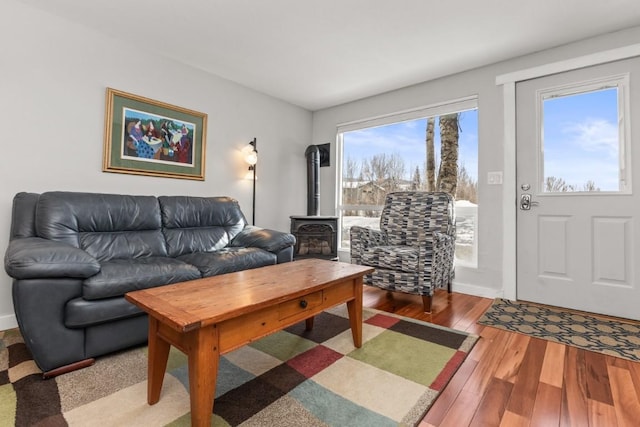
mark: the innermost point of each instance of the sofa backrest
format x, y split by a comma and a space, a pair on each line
199, 224
107, 226
23, 215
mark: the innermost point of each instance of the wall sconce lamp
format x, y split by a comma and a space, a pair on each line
251, 157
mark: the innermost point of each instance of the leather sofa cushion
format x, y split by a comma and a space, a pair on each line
81, 313
229, 260
199, 224
107, 226
401, 258
119, 276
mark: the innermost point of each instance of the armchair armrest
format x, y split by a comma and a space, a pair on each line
443, 258
263, 238
35, 258
362, 238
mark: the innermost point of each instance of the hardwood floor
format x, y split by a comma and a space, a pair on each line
513, 380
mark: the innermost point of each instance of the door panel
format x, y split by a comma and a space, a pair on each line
577, 239
552, 252
612, 251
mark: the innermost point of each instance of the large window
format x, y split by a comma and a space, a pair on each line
406, 152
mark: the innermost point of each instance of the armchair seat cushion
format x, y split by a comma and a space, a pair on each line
229, 259
400, 258
119, 276
397, 281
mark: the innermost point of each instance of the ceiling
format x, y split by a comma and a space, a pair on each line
317, 54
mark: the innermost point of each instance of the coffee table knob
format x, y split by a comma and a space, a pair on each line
303, 304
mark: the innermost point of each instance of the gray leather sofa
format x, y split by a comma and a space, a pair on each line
73, 256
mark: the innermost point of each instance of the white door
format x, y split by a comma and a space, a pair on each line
578, 148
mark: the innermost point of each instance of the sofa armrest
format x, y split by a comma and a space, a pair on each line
36, 258
263, 238
362, 238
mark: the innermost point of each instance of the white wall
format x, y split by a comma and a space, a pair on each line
495, 220
53, 78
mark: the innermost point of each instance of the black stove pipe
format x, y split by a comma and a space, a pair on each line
312, 153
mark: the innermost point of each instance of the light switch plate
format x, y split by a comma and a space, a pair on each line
494, 178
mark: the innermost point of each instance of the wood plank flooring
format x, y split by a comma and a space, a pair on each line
512, 380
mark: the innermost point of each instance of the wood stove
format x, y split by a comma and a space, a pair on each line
316, 236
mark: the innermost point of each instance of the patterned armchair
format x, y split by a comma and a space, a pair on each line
414, 249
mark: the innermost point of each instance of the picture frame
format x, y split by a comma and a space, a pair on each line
148, 137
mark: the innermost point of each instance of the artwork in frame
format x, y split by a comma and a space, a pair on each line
148, 137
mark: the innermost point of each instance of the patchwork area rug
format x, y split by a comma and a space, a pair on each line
292, 378
578, 329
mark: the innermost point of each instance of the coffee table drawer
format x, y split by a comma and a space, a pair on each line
299, 305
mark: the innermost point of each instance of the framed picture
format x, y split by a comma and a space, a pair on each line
147, 137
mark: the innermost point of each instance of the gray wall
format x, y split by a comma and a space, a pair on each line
53, 78
487, 279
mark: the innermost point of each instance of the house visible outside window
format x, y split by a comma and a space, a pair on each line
388, 154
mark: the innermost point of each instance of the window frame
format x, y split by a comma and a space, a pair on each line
434, 110
621, 83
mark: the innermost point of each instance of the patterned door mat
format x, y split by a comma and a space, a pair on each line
590, 332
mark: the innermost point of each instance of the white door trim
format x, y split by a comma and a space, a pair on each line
570, 64
509, 192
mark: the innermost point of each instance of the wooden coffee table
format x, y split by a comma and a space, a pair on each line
205, 318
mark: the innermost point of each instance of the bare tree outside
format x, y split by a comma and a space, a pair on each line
590, 186
448, 173
467, 187
554, 184
351, 169
431, 160
416, 183
383, 166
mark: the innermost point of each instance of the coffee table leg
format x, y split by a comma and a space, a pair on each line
158, 355
308, 324
203, 354
354, 307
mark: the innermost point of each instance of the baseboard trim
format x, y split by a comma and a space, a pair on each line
475, 290
8, 322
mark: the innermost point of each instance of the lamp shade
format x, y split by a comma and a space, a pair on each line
251, 153
251, 157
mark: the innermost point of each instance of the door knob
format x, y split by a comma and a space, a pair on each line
526, 202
